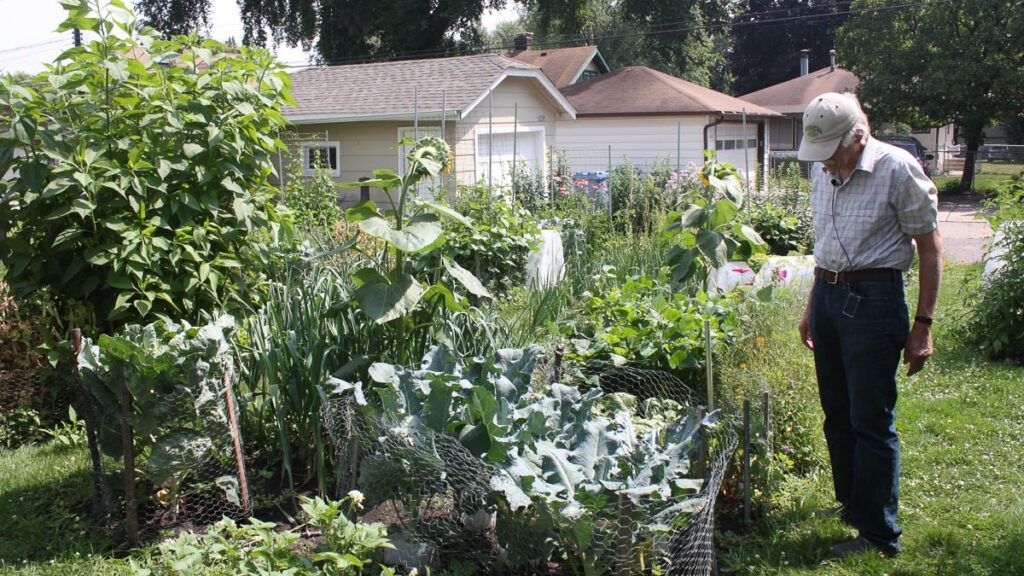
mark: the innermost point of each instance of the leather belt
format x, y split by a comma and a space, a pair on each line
866, 275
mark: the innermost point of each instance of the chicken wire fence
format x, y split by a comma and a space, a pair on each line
164, 441
17, 387
613, 470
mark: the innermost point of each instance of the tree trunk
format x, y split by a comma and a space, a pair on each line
973, 137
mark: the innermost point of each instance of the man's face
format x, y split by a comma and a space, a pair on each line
845, 157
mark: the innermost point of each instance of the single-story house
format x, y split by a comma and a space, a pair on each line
497, 113
792, 97
650, 118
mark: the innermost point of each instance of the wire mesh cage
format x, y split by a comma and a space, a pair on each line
163, 428
612, 470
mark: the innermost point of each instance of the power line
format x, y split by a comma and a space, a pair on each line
30, 46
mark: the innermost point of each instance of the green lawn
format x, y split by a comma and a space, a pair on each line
961, 423
988, 177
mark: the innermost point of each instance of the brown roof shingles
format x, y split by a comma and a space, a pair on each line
562, 65
638, 90
389, 89
792, 96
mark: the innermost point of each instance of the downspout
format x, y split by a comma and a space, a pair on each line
707, 128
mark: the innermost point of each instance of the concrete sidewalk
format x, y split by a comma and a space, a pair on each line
965, 234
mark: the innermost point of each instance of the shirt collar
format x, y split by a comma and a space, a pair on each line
869, 155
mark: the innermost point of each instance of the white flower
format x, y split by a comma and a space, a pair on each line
357, 498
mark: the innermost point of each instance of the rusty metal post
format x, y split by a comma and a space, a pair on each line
702, 448
364, 191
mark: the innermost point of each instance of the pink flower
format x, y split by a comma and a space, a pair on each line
741, 270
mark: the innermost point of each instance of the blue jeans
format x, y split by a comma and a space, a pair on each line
859, 330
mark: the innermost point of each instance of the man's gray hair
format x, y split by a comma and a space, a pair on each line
860, 130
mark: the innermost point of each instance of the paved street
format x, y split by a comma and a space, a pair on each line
965, 234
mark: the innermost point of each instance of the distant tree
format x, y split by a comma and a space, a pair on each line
685, 38
342, 30
174, 17
504, 34
931, 64
768, 36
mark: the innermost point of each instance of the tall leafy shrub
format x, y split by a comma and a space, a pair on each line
143, 172
997, 324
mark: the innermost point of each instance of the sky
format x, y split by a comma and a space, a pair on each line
28, 39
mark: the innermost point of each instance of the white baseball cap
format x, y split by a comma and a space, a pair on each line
827, 119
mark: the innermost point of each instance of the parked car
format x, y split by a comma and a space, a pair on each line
993, 152
916, 149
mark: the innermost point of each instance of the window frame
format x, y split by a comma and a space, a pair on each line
308, 147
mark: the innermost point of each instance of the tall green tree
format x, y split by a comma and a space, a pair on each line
768, 36
685, 38
931, 64
174, 17
346, 30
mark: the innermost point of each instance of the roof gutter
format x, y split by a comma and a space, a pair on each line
400, 116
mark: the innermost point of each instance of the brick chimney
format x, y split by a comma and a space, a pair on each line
523, 41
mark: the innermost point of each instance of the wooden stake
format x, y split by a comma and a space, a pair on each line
236, 439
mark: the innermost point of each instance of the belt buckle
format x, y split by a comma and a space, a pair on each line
834, 279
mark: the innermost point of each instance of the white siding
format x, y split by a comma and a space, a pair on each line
599, 144
591, 144
367, 146
516, 106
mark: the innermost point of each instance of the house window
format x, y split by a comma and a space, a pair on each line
321, 157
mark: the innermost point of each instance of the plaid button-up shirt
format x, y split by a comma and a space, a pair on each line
868, 220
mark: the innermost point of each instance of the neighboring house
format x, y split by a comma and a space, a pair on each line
652, 118
497, 113
564, 66
792, 97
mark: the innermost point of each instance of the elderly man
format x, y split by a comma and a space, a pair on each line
872, 204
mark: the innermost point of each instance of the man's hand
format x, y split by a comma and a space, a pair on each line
918, 347
805, 329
